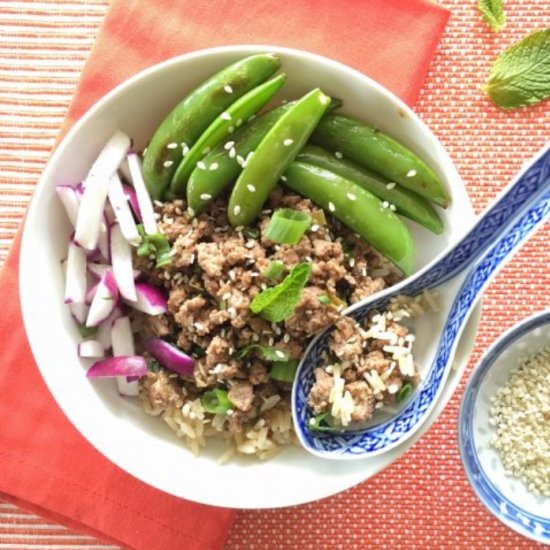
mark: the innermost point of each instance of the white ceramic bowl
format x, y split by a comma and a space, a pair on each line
505, 497
142, 445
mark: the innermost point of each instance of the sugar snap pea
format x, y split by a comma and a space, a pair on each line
356, 208
188, 120
229, 156
221, 127
272, 156
381, 153
406, 202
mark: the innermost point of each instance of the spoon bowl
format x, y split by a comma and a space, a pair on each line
461, 274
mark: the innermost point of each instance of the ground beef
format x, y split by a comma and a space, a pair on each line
241, 395
318, 398
363, 399
161, 390
311, 316
345, 342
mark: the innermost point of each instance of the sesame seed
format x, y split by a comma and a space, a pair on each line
351, 262
390, 185
249, 156
237, 210
385, 204
228, 89
190, 211
284, 101
271, 341
286, 338
351, 196
172, 145
226, 116
214, 166
232, 153
338, 155
184, 149
229, 145
411, 173
331, 207
168, 163
231, 129
251, 188
201, 165
280, 354
205, 197
241, 160
314, 227
239, 122
392, 207
145, 151
324, 99
284, 178
288, 142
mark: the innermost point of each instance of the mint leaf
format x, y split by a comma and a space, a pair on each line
278, 302
267, 353
520, 76
493, 13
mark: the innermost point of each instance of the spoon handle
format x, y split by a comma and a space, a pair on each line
526, 190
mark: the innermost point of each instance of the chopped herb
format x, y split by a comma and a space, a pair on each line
318, 423
284, 371
279, 302
197, 352
222, 305
324, 300
251, 233
404, 392
274, 270
85, 331
152, 364
157, 245
216, 401
266, 352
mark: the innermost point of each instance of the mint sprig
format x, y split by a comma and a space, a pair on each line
520, 76
266, 352
493, 13
278, 302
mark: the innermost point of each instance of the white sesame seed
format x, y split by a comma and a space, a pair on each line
231, 129
190, 211
385, 204
241, 161
168, 163
411, 173
251, 188
338, 155
352, 262
205, 197
331, 207
392, 207
280, 354
314, 227
284, 178
232, 153
225, 115
249, 156
172, 145
237, 210
201, 165
325, 99
288, 142
239, 122
214, 166
390, 185
229, 145
351, 196
286, 338
228, 89
184, 149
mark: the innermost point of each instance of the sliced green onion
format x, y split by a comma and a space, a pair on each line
216, 401
152, 364
318, 423
404, 392
284, 371
251, 233
274, 270
223, 304
156, 244
287, 226
85, 331
267, 353
324, 300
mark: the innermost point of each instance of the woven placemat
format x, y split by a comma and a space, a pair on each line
423, 500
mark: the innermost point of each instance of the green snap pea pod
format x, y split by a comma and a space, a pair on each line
205, 185
356, 208
381, 153
406, 202
222, 126
272, 156
188, 120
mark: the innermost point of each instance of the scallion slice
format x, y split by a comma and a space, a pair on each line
284, 371
274, 270
287, 226
156, 244
216, 401
266, 352
404, 392
318, 423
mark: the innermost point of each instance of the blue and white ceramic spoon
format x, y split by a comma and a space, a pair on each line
460, 274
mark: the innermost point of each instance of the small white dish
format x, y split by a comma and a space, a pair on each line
117, 427
505, 497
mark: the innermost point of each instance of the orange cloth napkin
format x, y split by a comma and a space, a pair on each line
45, 465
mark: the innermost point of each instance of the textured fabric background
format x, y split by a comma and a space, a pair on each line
423, 500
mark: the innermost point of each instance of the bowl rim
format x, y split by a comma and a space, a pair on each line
511, 514
444, 163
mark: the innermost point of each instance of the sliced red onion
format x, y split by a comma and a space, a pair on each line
119, 202
79, 312
70, 201
98, 269
150, 300
104, 329
96, 184
131, 196
144, 200
90, 293
104, 302
75, 278
169, 356
123, 344
121, 257
90, 348
124, 365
